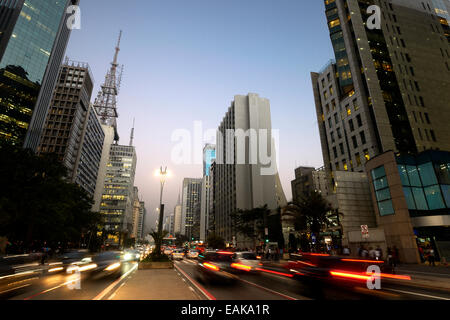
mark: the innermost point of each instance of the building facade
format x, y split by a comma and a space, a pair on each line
116, 206
190, 207
383, 97
33, 40
243, 184
209, 154
72, 130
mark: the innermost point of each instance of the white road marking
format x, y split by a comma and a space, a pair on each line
270, 290
111, 286
419, 294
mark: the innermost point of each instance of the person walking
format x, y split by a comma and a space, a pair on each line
372, 253
431, 257
379, 253
346, 251
395, 257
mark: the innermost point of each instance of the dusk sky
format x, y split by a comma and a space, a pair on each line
184, 61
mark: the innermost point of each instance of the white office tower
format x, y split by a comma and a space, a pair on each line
246, 172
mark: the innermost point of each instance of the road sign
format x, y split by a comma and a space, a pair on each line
364, 231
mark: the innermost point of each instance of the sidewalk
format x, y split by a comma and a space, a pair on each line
155, 284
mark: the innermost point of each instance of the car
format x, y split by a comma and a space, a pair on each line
17, 273
246, 261
107, 264
168, 251
178, 254
131, 255
322, 273
69, 259
215, 266
192, 254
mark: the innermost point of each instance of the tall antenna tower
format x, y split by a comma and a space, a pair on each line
132, 135
106, 102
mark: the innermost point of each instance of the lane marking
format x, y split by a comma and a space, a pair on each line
428, 273
198, 286
112, 286
419, 294
48, 290
269, 290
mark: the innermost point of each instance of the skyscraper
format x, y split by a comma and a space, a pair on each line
72, 130
117, 200
382, 106
386, 88
240, 179
177, 217
190, 212
33, 40
209, 154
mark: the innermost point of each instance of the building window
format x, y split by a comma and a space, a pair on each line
341, 146
358, 159
358, 119
382, 192
350, 123
355, 142
363, 137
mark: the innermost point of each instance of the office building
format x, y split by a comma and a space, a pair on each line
141, 224
241, 181
116, 206
209, 154
190, 207
177, 217
384, 92
33, 40
72, 130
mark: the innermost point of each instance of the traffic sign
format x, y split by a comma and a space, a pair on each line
364, 231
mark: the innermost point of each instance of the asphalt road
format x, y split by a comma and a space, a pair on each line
61, 287
273, 284
269, 284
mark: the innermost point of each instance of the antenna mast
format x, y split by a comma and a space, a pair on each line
106, 102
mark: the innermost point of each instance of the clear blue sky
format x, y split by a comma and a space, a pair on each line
185, 61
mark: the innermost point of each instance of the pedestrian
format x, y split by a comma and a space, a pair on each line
364, 252
421, 253
431, 257
372, 253
395, 256
346, 251
379, 253
389, 256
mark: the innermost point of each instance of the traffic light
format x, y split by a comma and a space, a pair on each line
267, 240
192, 238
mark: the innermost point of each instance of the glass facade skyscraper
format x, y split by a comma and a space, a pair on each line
33, 38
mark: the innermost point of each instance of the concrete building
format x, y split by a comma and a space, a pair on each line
136, 214
177, 217
190, 207
118, 193
209, 154
108, 132
72, 130
142, 231
241, 181
384, 92
33, 40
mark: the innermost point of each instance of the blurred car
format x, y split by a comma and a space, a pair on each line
321, 273
17, 272
246, 261
168, 251
67, 260
107, 264
192, 254
178, 254
132, 255
215, 266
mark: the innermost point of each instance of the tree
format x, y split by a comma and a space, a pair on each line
251, 223
158, 238
180, 239
215, 241
37, 204
313, 211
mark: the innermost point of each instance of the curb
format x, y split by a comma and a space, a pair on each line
195, 284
